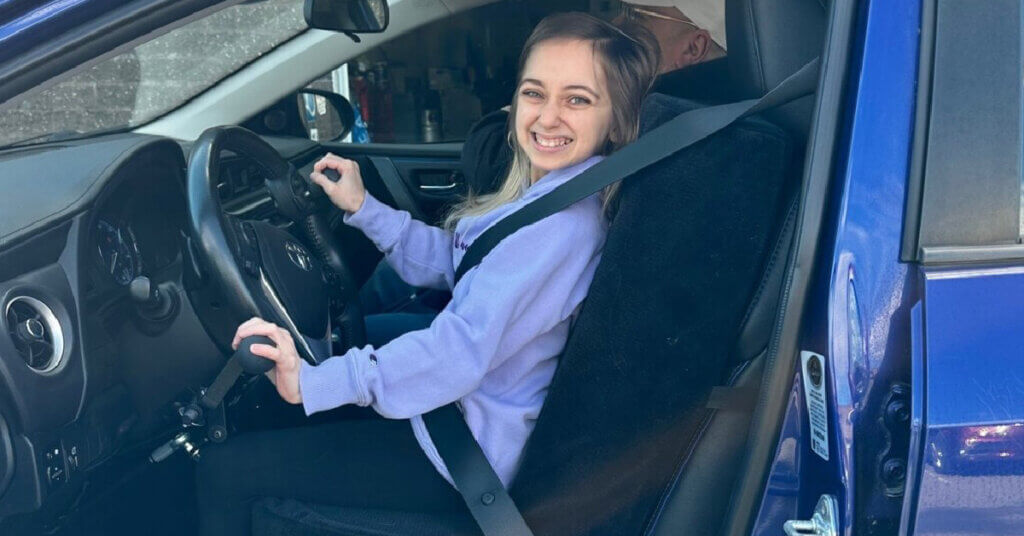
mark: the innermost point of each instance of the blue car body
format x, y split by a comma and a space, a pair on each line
924, 361
948, 332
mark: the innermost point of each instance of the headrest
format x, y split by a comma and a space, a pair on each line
770, 40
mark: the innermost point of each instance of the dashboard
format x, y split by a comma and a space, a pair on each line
84, 371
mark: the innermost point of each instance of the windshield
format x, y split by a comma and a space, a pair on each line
155, 77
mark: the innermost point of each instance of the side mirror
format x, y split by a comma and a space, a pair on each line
326, 116
349, 16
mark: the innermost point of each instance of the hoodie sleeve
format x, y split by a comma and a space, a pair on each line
421, 254
525, 287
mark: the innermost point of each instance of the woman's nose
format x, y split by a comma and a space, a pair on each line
550, 114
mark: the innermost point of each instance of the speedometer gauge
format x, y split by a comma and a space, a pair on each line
118, 253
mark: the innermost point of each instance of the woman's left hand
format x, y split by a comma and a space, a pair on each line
285, 374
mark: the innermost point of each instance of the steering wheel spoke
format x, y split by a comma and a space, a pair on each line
313, 349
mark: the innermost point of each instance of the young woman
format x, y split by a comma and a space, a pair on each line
494, 347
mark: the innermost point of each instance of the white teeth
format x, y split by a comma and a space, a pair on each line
551, 142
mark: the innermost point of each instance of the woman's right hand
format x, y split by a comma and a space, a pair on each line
348, 193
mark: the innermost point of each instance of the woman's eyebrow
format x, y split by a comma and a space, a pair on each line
584, 88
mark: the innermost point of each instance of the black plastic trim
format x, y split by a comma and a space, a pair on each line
967, 254
782, 355
919, 149
394, 149
31, 254
73, 200
6, 456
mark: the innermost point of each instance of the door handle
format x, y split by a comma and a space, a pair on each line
434, 182
437, 187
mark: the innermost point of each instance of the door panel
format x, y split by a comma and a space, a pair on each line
967, 462
423, 179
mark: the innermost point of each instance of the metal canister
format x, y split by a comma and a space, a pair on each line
430, 125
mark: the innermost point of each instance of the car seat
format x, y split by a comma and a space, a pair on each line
683, 301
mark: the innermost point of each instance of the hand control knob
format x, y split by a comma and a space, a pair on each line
250, 362
332, 174
316, 192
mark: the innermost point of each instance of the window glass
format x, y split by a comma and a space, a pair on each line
155, 77
433, 83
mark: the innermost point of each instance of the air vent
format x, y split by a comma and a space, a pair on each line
36, 333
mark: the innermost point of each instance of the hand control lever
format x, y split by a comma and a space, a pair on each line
242, 361
209, 411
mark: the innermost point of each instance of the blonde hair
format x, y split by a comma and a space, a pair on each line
629, 63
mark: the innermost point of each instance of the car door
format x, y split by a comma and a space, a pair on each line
964, 231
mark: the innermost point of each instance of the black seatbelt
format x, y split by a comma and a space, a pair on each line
474, 478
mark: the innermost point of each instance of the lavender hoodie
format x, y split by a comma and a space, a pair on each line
494, 347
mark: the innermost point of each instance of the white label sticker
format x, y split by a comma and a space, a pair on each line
817, 405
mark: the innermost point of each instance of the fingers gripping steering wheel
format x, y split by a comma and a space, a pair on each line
256, 268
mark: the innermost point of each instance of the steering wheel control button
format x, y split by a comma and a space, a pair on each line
53, 461
248, 250
301, 192
299, 256
251, 268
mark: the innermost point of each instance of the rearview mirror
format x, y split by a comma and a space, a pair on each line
349, 16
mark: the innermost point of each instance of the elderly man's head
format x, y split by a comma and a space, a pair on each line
688, 31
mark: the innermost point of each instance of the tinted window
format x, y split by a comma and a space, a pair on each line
157, 76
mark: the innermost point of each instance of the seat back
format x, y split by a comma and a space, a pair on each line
768, 39
683, 258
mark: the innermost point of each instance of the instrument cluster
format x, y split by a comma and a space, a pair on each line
138, 230
117, 251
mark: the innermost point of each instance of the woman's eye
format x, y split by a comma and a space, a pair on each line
531, 94
578, 101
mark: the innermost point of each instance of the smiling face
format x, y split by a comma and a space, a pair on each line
563, 112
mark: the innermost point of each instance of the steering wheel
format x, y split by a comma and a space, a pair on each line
258, 269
